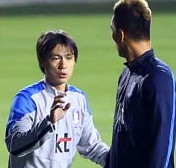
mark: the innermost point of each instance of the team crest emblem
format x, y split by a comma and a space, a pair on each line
76, 117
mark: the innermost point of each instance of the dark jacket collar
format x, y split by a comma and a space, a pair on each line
140, 61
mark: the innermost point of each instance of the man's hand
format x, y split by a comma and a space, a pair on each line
58, 109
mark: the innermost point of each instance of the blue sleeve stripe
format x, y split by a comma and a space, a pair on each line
74, 89
171, 138
23, 103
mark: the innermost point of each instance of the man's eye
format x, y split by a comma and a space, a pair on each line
56, 58
69, 57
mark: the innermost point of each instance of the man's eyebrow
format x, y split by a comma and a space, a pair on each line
55, 54
69, 53
60, 55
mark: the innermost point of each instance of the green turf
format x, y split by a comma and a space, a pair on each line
97, 69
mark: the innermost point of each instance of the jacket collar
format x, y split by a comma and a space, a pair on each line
140, 61
51, 89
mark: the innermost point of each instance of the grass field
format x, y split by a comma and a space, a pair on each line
96, 72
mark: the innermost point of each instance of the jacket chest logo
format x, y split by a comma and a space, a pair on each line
76, 117
62, 143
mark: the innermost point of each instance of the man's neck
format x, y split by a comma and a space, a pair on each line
136, 49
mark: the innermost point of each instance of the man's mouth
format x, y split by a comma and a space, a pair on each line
62, 74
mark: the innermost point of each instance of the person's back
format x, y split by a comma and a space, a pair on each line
143, 131
135, 136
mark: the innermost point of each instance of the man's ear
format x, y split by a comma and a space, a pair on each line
120, 35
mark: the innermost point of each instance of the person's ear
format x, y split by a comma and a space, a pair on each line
120, 35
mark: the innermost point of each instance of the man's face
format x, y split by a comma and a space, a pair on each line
117, 37
113, 29
59, 66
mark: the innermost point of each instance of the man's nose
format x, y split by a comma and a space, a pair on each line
63, 63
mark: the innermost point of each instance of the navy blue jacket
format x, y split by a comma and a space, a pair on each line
143, 131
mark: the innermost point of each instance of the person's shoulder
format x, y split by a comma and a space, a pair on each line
159, 73
75, 89
153, 64
33, 88
24, 98
162, 66
159, 69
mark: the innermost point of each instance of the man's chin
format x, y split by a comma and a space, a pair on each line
121, 55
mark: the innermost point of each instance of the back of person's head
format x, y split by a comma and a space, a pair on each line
48, 41
133, 17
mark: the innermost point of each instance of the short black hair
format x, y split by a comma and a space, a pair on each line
48, 40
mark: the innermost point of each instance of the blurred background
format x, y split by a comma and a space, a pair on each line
98, 67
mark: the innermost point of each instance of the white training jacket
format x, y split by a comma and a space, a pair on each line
33, 142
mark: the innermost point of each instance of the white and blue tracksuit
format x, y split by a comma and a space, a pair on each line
33, 142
